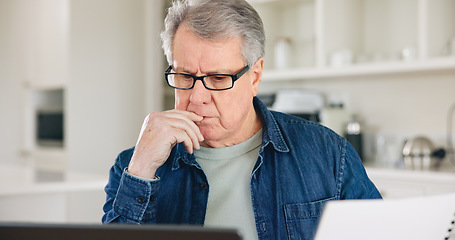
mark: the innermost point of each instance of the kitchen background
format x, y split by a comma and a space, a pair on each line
99, 64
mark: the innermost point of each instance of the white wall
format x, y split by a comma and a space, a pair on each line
108, 85
11, 81
400, 105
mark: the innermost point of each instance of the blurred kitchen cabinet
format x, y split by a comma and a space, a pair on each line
46, 49
77, 199
54, 207
114, 78
93, 61
439, 28
396, 183
330, 38
43, 27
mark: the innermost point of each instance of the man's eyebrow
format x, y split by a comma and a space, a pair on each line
186, 71
182, 70
217, 72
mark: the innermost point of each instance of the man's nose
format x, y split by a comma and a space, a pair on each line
200, 94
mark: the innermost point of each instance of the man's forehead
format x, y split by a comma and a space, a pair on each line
205, 70
194, 54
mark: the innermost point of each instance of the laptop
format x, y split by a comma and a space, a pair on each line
40, 231
418, 218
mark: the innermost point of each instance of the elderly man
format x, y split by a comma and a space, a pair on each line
221, 158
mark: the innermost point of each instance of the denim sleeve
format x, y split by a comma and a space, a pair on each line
129, 199
353, 179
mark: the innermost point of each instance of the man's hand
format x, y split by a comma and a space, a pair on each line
159, 134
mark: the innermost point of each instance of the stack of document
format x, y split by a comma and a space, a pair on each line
422, 218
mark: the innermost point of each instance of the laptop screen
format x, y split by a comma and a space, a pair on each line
38, 231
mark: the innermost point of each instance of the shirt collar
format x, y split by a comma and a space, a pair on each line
271, 134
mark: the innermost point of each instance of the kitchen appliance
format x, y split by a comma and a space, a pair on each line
335, 116
353, 133
419, 153
302, 103
49, 127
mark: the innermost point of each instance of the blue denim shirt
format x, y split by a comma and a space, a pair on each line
301, 165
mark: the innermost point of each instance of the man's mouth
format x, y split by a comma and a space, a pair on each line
204, 118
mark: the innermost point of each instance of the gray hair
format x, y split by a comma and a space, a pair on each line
214, 19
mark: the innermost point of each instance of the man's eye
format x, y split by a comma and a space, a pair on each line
182, 77
218, 78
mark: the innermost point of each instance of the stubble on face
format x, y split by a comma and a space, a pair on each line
229, 116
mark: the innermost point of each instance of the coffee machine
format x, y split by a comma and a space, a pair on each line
306, 104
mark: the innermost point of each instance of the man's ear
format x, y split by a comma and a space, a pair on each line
257, 69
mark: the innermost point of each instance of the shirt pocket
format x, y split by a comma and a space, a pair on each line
302, 218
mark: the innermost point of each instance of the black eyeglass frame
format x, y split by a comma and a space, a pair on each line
234, 78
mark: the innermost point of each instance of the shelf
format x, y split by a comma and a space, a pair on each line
333, 38
292, 20
365, 69
45, 86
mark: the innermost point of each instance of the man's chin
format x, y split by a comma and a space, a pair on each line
211, 138
208, 133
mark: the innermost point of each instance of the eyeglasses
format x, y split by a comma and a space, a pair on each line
214, 82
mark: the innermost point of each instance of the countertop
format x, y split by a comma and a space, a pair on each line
18, 180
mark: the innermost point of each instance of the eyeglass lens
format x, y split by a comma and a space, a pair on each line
179, 80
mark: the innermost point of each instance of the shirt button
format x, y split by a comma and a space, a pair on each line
203, 186
153, 198
141, 200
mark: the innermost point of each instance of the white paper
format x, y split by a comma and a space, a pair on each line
422, 218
